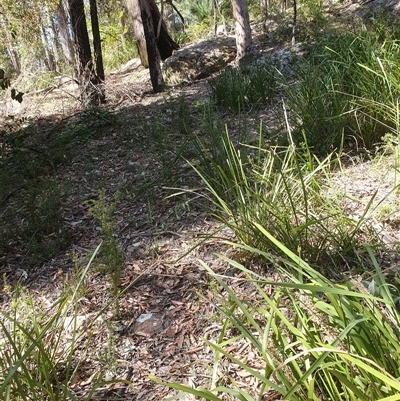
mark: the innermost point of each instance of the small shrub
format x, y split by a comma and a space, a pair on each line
111, 255
238, 89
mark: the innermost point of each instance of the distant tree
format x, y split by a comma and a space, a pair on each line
87, 77
8, 37
133, 7
164, 42
98, 56
149, 29
64, 33
244, 42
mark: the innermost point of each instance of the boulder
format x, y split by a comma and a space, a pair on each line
199, 60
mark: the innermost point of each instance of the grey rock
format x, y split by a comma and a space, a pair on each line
199, 60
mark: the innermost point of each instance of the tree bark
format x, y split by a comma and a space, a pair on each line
98, 55
156, 77
86, 75
134, 12
54, 42
64, 35
165, 44
46, 48
244, 42
10, 42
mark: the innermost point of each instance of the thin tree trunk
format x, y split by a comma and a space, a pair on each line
244, 41
45, 44
134, 11
98, 55
10, 42
15, 60
63, 31
156, 77
294, 22
54, 42
86, 75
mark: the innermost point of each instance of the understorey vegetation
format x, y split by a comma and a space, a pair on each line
307, 304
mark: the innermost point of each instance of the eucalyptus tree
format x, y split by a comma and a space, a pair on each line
153, 40
92, 91
64, 33
244, 43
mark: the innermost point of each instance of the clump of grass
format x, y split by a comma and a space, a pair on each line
239, 89
44, 347
312, 339
213, 151
36, 225
288, 191
338, 87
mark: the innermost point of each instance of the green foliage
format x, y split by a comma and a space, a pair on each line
84, 126
111, 255
216, 155
313, 339
197, 12
238, 89
339, 89
5, 83
35, 224
286, 190
116, 51
32, 220
44, 348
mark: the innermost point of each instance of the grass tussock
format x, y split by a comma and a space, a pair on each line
45, 347
312, 339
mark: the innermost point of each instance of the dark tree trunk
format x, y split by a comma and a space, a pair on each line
98, 55
63, 32
165, 44
86, 75
156, 77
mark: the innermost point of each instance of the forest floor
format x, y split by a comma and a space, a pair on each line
134, 149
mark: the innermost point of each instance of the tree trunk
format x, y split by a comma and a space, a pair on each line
63, 32
156, 77
165, 44
45, 44
10, 42
98, 55
134, 11
54, 42
244, 42
14, 57
294, 22
86, 75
